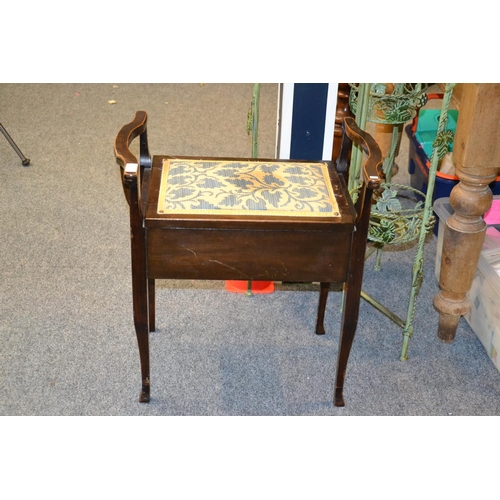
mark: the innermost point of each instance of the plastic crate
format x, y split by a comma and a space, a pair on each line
419, 166
427, 125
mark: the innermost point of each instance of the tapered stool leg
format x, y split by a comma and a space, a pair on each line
352, 290
323, 296
140, 286
140, 289
350, 312
152, 309
140, 283
143, 342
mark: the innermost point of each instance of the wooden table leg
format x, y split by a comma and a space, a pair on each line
476, 156
462, 242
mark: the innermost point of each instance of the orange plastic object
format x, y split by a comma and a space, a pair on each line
250, 287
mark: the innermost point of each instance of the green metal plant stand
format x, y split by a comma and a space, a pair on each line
396, 104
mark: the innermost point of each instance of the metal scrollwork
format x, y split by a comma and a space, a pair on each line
391, 103
390, 223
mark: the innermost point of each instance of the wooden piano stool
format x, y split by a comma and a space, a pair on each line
245, 219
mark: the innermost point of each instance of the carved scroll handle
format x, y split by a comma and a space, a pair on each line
125, 158
372, 167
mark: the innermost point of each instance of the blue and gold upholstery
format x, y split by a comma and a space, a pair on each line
191, 186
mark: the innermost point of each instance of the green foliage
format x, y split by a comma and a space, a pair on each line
388, 201
379, 88
390, 223
384, 231
401, 111
442, 142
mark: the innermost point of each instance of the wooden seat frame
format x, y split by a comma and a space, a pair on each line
254, 247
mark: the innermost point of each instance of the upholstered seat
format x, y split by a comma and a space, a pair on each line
192, 186
242, 219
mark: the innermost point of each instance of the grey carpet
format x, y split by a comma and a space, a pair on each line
67, 340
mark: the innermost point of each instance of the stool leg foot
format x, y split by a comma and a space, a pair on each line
144, 397
339, 397
143, 342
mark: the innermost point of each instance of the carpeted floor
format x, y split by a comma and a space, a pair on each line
66, 329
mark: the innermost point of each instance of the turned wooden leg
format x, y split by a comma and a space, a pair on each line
323, 296
462, 242
476, 156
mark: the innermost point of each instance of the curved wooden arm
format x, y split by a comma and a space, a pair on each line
373, 164
129, 166
126, 135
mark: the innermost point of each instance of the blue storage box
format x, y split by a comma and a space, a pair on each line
418, 168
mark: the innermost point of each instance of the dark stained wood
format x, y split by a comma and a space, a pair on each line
139, 280
323, 297
126, 135
220, 254
122, 152
342, 111
352, 287
152, 305
257, 247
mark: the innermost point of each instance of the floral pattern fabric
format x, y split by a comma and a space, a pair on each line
240, 188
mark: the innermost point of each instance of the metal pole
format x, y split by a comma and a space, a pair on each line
418, 264
25, 161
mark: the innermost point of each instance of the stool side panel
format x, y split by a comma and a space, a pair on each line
221, 254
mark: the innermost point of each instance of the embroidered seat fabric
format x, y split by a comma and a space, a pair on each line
191, 186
